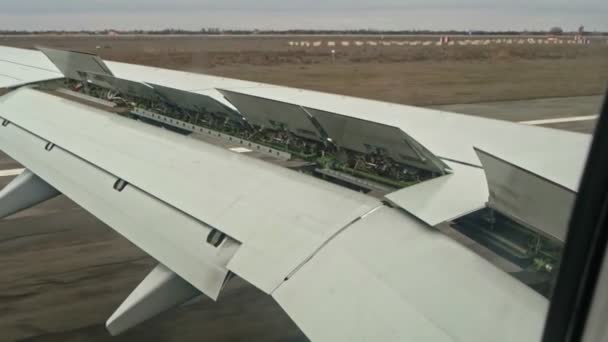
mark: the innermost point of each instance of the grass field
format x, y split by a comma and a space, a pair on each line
428, 75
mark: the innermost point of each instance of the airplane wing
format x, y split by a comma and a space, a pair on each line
332, 205
17, 69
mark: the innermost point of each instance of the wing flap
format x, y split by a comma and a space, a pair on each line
389, 277
283, 215
444, 198
174, 238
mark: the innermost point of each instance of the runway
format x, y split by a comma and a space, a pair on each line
64, 271
578, 114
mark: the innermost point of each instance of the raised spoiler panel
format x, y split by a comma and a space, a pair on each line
123, 86
364, 136
269, 113
351, 133
71, 63
170, 236
280, 216
526, 197
194, 101
388, 277
185, 99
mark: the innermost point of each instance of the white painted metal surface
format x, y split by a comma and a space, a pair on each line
389, 277
13, 74
30, 58
7, 81
280, 216
527, 197
174, 238
160, 290
446, 197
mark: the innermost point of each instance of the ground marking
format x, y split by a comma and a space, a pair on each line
11, 172
560, 120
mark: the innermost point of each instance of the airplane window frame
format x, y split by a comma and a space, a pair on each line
585, 248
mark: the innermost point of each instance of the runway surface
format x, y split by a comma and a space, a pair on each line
64, 272
576, 113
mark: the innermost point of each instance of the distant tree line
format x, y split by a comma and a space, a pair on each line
217, 31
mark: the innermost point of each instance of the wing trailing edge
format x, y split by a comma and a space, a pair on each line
174, 238
390, 277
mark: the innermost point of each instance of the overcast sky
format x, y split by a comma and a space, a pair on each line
304, 14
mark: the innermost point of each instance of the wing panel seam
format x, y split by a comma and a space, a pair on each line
326, 242
120, 178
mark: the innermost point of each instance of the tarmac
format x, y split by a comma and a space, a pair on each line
64, 272
546, 109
